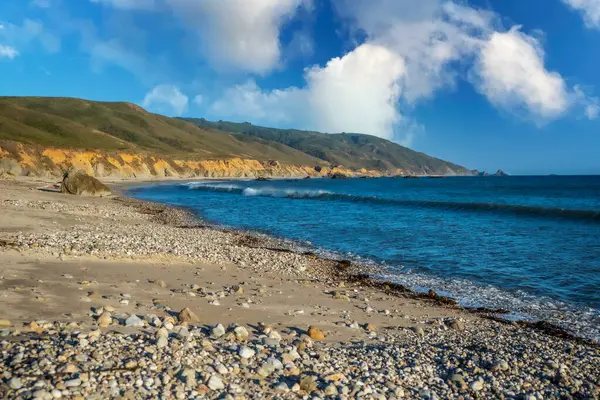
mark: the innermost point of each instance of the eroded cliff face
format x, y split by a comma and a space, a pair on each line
39, 161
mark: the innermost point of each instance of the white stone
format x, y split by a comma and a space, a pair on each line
215, 383
246, 352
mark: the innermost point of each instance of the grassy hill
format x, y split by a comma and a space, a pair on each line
76, 123
118, 126
351, 150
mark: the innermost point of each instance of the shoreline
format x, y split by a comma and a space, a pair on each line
364, 273
127, 247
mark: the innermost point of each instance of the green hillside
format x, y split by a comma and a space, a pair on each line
111, 126
351, 150
76, 123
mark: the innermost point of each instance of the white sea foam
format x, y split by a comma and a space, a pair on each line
290, 193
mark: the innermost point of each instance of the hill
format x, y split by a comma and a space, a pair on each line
69, 123
82, 124
351, 150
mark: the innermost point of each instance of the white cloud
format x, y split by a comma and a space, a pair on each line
166, 99
249, 102
301, 45
590, 10
411, 51
198, 99
128, 4
511, 74
8, 52
357, 92
354, 93
590, 104
592, 111
30, 32
238, 34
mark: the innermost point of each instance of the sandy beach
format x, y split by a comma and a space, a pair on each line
95, 294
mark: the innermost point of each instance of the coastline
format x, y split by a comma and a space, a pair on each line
125, 243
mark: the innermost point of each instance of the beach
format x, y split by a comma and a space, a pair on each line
118, 298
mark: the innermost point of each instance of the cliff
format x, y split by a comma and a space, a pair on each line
22, 159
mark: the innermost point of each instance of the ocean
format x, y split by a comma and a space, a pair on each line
530, 245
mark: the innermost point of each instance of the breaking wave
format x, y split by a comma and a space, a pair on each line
324, 195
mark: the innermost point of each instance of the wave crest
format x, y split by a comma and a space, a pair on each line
324, 195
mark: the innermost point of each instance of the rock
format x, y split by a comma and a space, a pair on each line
275, 335
73, 382
500, 366
215, 383
338, 175
4, 323
218, 331
69, 369
34, 327
15, 383
10, 167
330, 390
246, 352
162, 342
237, 289
419, 331
182, 332
104, 320
134, 321
282, 387
333, 377
370, 327
308, 383
315, 334
79, 183
477, 385
457, 325
187, 316
241, 333
161, 283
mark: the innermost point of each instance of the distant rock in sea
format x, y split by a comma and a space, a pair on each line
484, 173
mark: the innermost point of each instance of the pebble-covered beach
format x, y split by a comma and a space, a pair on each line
229, 320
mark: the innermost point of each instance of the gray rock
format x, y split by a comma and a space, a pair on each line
73, 382
134, 321
15, 383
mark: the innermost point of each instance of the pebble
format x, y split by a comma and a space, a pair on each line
218, 331
246, 352
73, 382
477, 385
134, 321
215, 383
514, 362
15, 383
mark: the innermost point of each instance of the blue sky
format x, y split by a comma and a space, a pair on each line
485, 83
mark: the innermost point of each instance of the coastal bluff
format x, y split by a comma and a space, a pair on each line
38, 161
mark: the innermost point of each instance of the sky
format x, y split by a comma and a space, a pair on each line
488, 84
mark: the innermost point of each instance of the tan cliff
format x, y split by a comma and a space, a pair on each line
22, 159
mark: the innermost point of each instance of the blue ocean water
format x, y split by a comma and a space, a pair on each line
527, 244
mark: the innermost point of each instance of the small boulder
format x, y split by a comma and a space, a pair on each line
134, 321
104, 320
187, 316
316, 333
79, 183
